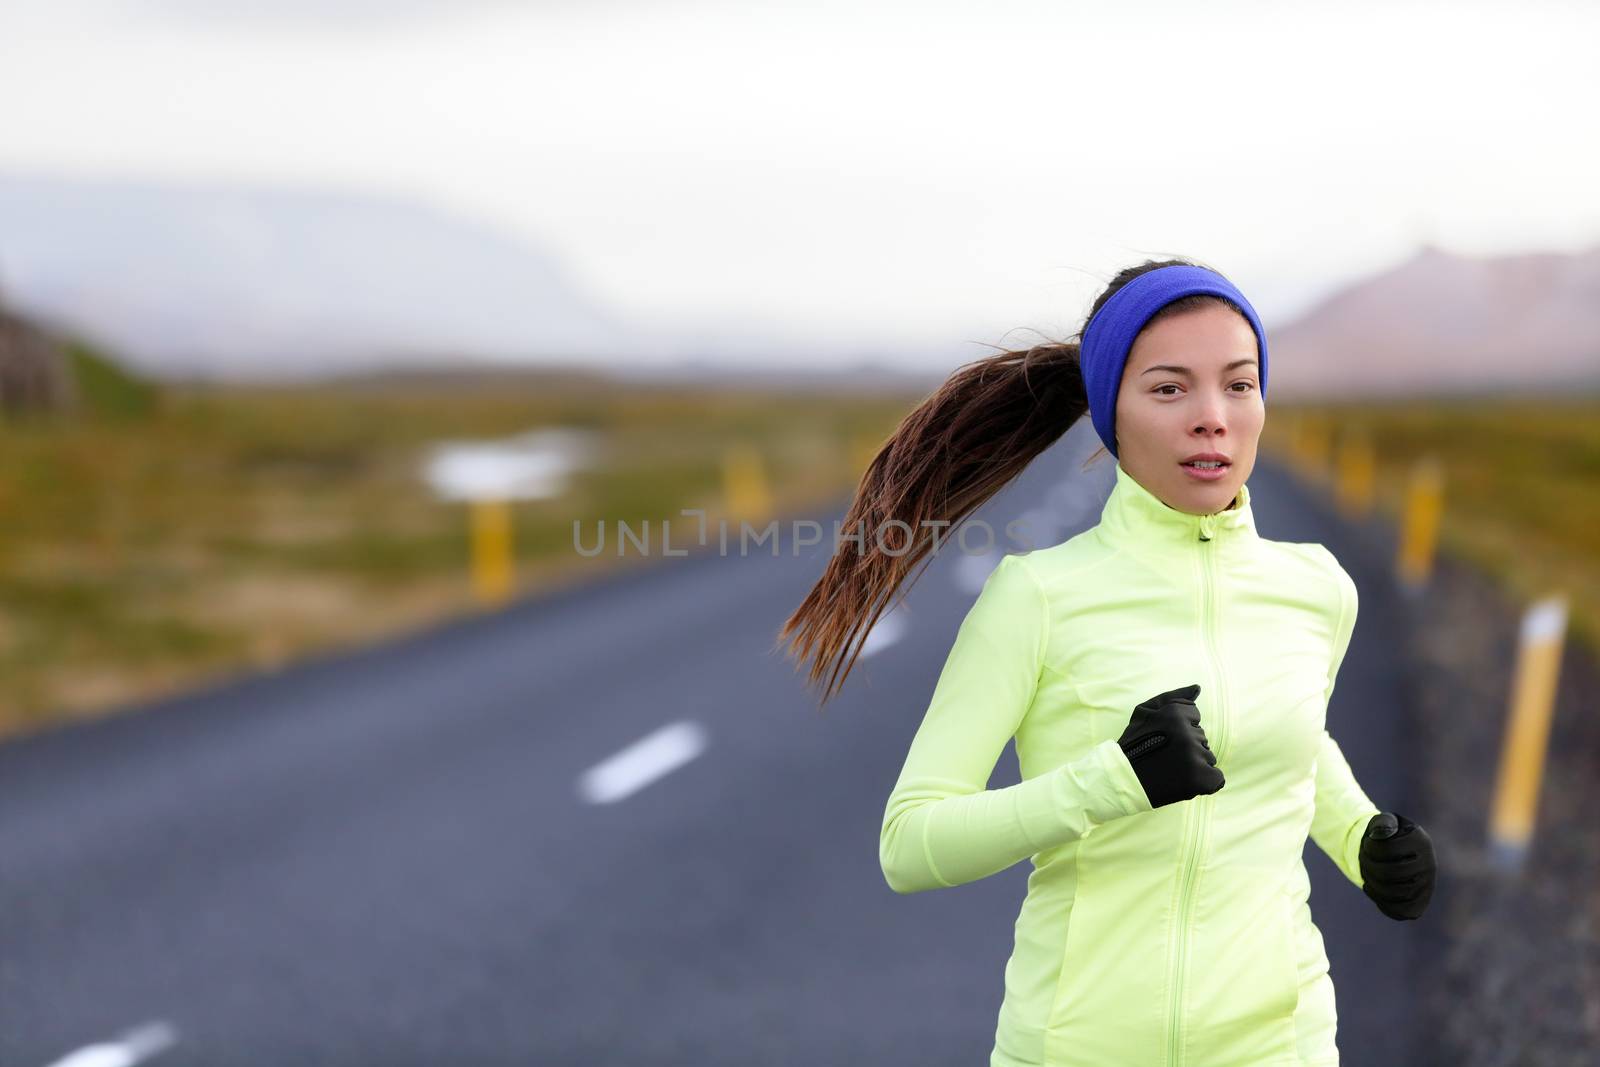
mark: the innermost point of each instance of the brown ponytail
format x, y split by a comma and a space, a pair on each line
958, 448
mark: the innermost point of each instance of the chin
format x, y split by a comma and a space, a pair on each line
1210, 498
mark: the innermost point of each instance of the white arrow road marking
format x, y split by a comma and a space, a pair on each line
972, 571
136, 1045
1034, 528
890, 628
642, 762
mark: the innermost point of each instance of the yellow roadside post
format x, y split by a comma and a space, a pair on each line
746, 494
1286, 429
1419, 532
491, 550
1311, 447
1355, 473
489, 476
1533, 697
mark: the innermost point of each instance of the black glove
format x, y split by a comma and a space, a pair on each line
1397, 866
1168, 750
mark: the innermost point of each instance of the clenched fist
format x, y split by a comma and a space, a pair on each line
1397, 865
1168, 749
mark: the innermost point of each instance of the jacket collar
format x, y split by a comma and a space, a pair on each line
1134, 515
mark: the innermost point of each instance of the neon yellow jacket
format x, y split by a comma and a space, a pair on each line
1178, 936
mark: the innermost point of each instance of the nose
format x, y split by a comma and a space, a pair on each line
1210, 420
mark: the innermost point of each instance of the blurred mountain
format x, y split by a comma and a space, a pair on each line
235, 282
220, 281
46, 373
35, 372
1441, 323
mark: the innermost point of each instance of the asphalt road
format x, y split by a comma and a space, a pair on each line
396, 857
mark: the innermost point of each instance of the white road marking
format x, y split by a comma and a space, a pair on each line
888, 630
1076, 503
642, 762
133, 1047
1035, 528
972, 571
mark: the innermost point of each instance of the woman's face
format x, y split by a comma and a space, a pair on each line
1192, 384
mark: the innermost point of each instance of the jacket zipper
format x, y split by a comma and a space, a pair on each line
1202, 804
1223, 723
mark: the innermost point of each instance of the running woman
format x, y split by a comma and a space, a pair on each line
1165, 675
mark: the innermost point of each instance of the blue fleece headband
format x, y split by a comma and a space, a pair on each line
1110, 333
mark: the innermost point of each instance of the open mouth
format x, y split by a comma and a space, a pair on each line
1205, 470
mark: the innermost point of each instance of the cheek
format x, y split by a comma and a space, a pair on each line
1137, 411
1252, 418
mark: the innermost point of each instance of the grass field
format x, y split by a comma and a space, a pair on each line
164, 538
212, 530
1521, 485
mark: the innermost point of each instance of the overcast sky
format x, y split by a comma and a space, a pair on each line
900, 170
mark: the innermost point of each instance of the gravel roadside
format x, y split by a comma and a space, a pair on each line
1516, 960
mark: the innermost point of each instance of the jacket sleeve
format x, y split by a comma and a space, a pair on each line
941, 826
1342, 806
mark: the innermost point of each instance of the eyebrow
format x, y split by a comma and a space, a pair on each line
1185, 370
